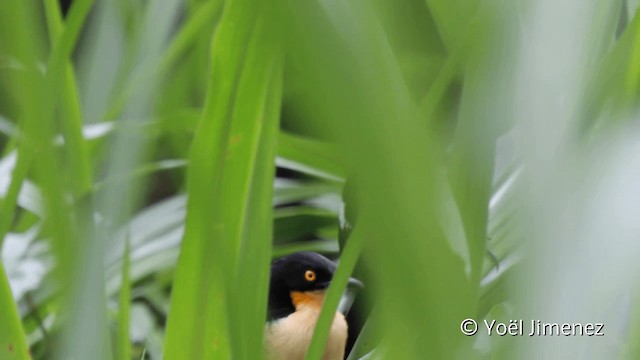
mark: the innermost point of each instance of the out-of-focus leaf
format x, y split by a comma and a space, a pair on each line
310, 156
614, 86
71, 118
230, 183
327, 246
348, 258
205, 14
13, 171
123, 345
452, 19
156, 232
6, 127
290, 191
295, 223
399, 181
12, 341
366, 342
24, 269
470, 163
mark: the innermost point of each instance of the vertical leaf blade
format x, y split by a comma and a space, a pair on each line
230, 187
13, 345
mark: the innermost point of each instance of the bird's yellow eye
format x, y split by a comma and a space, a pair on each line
310, 275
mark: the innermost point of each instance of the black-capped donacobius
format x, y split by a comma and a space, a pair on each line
298, 286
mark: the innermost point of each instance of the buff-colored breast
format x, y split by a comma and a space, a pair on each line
289, 338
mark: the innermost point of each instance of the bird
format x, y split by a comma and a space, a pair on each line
296, 292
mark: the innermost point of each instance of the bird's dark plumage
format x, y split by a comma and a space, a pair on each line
296, 294
288, 274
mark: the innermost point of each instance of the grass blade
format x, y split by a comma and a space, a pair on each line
228, 172
12, 340
71, 116
18, 176
348, 260
123, 345
399, 201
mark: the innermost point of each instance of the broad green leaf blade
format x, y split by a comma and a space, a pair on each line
481, 120
229, 188
36, 122
248, 310
398, 180
367, 340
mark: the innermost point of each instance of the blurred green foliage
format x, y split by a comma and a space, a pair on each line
156, 155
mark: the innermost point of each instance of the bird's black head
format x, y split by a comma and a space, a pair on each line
301, 272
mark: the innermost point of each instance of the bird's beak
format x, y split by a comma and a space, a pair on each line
355, 283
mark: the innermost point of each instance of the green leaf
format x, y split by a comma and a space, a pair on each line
71, 116
123, 345
349, 257
310, 156
229, 208
200, 19
12, 341
452, 18
398, 182
366, 342
480, 121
